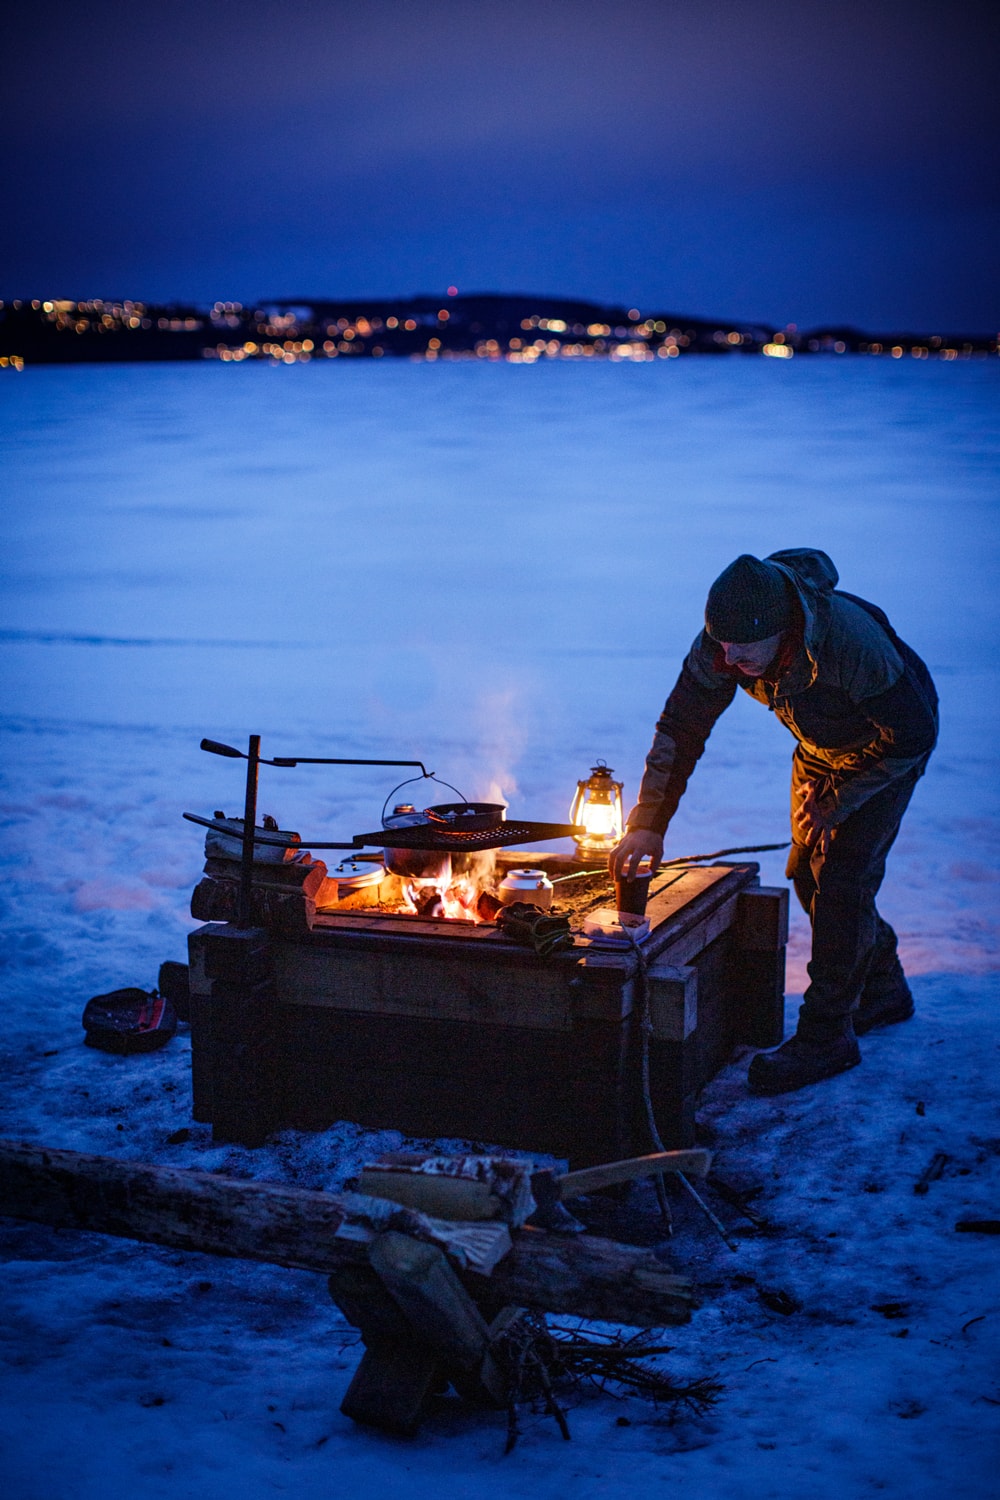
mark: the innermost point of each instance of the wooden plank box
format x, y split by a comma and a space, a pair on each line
448, 1029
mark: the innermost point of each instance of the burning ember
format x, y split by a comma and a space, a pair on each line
456, 901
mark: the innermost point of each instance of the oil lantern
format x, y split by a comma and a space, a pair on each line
597, 806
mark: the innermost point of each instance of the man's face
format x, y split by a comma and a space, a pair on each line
752, 658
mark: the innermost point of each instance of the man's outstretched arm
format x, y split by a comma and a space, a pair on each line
699, 696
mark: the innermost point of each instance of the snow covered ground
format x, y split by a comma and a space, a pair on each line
496, 570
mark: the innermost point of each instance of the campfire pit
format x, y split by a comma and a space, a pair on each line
438, 1027
319, 997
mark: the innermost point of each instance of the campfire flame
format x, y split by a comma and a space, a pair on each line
454, 901
456, 898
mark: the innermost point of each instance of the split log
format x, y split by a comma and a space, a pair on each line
441, 1313
582, 1276
397, 1374
272, 906
305, 876
392, 1385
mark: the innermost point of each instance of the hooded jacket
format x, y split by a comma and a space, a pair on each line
858, 700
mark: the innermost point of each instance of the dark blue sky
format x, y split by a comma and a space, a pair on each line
807, 161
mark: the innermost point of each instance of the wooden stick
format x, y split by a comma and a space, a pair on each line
582, 1276
931, 1172
712, 1218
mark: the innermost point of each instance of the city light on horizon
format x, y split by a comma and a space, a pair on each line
832, 165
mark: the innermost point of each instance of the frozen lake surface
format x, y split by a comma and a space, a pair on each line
494, 569
498, 570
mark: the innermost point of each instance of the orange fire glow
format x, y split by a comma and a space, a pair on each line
455, 901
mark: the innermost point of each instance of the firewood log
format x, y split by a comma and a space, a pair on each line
581, 1276
300, 876
271, 906
441, 1312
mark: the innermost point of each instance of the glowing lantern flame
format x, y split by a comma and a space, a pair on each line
597, 807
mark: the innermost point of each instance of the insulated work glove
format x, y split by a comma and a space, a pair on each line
533, 928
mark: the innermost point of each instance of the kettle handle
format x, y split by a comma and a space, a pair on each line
427, 776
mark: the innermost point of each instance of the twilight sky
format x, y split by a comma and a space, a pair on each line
789, 160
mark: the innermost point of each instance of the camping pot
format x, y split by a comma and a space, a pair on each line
414, 864
533, 886
466, 817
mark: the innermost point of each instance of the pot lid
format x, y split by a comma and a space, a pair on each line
358, 873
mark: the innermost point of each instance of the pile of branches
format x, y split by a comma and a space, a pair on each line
544, 1364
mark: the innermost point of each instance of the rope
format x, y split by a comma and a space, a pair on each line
693, 859
645, 1033
681, 859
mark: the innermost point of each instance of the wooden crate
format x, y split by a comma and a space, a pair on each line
449, 1029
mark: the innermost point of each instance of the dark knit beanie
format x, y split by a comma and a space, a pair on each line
750, 601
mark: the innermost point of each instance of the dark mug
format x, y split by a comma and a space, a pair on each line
631, 895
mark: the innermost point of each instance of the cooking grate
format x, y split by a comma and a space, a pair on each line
496, 834
432, 837
418, 836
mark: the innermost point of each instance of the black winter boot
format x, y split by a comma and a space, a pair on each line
885, 999
801, 1061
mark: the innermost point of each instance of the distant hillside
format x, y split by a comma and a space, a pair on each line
519, 328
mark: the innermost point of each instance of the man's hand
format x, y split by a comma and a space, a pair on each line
810, 825
623, 861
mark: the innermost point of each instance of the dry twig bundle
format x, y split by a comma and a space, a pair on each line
539, 1361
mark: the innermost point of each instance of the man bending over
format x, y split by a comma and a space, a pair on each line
863, 709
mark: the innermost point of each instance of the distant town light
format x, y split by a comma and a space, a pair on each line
453, 291
778, 351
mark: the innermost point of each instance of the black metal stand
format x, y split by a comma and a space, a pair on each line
249, 824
